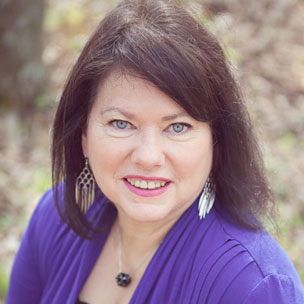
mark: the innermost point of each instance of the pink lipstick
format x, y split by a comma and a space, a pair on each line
147, 192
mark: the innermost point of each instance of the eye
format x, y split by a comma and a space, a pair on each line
179, 127
120, 124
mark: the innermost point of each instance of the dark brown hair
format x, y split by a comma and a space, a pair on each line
164, 44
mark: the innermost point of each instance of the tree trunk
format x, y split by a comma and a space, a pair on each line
22, 74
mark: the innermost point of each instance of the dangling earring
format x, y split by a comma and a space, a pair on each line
85, 188
207, 198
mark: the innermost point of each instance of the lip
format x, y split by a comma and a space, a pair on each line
147, 192
152, 178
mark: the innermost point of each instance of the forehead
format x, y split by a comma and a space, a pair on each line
131, 91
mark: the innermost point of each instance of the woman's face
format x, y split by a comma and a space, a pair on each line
148, 156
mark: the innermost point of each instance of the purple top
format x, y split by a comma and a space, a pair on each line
209, 261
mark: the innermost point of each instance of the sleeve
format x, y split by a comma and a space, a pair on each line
276, 289
25, 284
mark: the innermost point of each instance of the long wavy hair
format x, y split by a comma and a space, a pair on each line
164, 44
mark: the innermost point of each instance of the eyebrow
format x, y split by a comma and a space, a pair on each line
174, 116
130, 116
115, 109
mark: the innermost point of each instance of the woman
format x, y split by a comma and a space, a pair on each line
163, 190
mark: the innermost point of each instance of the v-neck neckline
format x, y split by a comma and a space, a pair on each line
94, 248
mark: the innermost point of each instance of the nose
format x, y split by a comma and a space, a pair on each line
148, 151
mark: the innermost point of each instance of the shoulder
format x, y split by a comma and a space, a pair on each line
49, 238
28, 274
276, 288
45, 212
246, 264
45, 221
46, 231
260, 246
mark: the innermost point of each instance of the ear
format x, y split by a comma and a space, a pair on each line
84, 143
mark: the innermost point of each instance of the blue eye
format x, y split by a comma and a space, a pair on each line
178, 127
120, 124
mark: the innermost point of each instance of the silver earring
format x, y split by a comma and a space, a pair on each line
207, 198
85, 188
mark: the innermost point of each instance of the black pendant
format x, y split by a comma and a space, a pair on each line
123, 279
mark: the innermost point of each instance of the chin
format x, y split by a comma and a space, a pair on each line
146, 213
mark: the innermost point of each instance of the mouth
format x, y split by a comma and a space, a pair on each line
146, 184
146, 187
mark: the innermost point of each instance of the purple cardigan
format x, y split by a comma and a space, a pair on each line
209, 261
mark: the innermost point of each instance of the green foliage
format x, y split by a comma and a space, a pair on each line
233, 54
3, 282
77, 42
208, 22
288, 142
297, 222
68, 15
41, 180
5, 222
301, 274
43, 101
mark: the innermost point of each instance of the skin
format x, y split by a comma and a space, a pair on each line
134, 129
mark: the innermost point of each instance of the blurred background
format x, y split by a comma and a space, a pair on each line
39, 43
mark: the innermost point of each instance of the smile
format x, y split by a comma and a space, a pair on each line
146, 187
146, 184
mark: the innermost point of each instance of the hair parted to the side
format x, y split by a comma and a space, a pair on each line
161, 42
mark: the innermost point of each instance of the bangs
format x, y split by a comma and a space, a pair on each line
173, 56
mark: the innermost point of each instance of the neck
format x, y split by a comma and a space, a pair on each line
139, 239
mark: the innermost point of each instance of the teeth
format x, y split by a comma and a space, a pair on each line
143, 184
137, 183
151, 185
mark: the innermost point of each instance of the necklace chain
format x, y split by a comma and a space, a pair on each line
120, 253
119, 250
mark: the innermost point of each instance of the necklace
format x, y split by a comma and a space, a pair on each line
124, 279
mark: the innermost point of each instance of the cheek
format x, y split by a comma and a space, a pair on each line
106, 155
104, 165
194, 160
